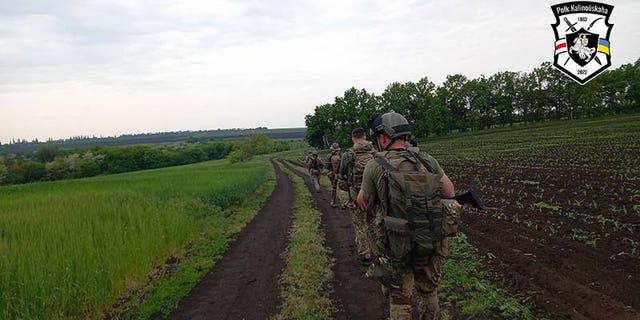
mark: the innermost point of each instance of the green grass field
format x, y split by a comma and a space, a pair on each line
69, 249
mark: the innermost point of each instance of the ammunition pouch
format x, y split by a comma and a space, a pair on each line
452, 210
397, 238
383, 271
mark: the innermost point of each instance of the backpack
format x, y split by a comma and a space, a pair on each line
412, 205
315, 163
334, 164
359, 160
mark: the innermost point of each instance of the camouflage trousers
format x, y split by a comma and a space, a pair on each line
364, 241
419, 283
315, 179
334, 191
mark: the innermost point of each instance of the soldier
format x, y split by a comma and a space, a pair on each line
307, 159
332, 165
351, 169
410, 241
314, 165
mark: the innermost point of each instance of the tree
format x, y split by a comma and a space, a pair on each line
503, 89
481, 112
46, 153
334, 122
454, 96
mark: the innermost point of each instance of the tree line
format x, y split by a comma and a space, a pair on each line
462, 104
22, 146
50, 163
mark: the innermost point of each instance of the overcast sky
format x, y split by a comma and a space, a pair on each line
106, 68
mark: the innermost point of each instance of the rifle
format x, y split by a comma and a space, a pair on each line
471, 198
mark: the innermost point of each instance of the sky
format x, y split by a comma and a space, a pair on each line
105, 68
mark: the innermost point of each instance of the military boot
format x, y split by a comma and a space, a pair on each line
333, 198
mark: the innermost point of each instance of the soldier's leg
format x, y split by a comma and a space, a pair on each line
400, 298
316, 180
427, 279
362, 236
334, 192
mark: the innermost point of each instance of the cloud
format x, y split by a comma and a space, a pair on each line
109, 67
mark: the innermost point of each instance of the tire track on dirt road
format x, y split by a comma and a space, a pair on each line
244, 284
355, 296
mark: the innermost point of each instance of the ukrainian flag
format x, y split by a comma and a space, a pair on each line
603, 46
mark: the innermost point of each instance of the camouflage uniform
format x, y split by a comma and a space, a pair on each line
353, 174
420, 280
315, 168
333, 165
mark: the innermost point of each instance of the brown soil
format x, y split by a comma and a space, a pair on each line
566, 276
244, 283
355, 296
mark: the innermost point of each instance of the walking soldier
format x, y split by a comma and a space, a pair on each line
410, 240
351, 170
332, 165
314, 165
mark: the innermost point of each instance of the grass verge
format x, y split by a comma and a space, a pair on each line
308, 266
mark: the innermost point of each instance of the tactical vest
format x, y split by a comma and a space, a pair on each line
315, 164
334, 161
412, 204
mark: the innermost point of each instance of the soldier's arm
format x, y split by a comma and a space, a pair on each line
367, 202
447, 191
367, 196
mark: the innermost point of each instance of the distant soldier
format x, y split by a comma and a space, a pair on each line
332, 165
351, 170
306, 161
315, 168
410, 238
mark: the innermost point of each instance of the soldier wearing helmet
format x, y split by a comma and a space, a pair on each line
315, 165
396, 181
333, 164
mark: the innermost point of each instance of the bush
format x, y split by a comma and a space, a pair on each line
33, 171
256, 144
53, 164
4, 172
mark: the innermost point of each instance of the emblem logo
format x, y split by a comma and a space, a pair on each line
582, 48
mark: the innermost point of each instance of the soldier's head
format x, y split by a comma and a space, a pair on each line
357, 135
314, 153
389, 130
335, 147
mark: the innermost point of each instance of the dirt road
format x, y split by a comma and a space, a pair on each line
355, 296
244, 283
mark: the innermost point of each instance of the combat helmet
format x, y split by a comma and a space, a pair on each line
391, 123
335, 147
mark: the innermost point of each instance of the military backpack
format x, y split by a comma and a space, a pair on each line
333, 164
359, 160
413, 208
